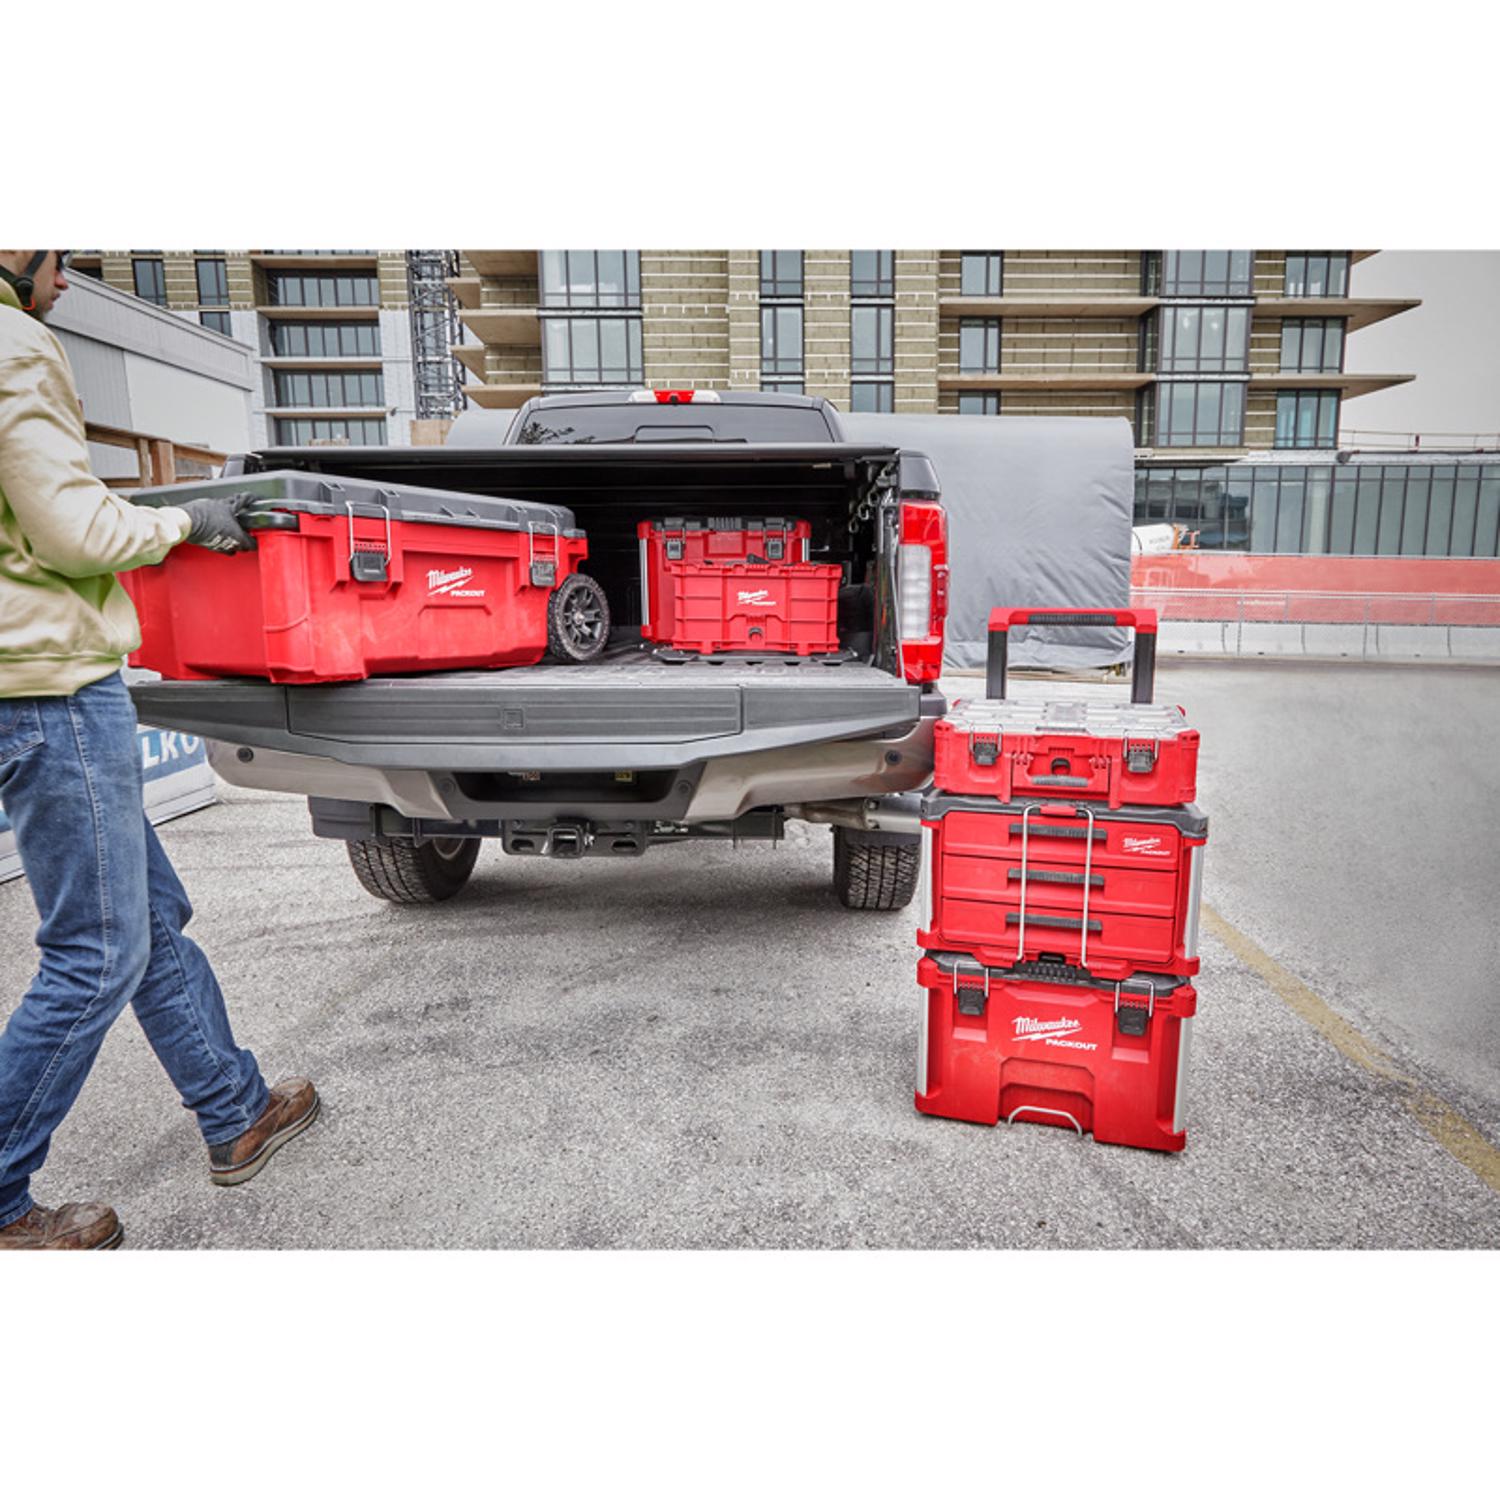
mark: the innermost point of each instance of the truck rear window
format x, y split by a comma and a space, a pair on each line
718, 422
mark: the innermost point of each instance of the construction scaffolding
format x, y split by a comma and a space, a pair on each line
437, 376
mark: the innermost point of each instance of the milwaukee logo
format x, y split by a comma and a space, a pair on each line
1143, 846
449, 583
1028, 1026
756, 596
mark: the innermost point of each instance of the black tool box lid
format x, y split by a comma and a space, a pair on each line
324, 495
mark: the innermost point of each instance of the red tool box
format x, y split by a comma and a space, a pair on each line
1138, 753
714, 539
783, 607
1069, 1050
350, 579
1110, 890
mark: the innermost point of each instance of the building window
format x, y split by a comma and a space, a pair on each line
213, 283
979, 273
294, 289
151, 280
872, 395
781, 341
1312, 344
1207, 273
337, 388
785, 387
591, 278
1307, 419
979, 346
979, 403
780, 274
1199, 414
325, 340
1321, 274
593, 351
1211, 504
297, 432
872, 273
872, 341
1212, 340
215, 318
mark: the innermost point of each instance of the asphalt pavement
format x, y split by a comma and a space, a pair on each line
702, 1049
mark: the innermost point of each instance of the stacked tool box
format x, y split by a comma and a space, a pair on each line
1062, 871
736, 583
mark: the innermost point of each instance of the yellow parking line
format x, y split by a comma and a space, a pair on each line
1456, 1135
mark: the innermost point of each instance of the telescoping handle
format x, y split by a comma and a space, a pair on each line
1142, 621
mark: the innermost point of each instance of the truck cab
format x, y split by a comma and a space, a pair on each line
640, 747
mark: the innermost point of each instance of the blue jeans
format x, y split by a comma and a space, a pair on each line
112, 911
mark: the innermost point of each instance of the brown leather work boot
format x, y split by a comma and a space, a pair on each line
74, 1226
293, 1107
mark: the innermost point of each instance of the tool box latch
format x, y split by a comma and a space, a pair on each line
1131, 1016
986, 751
971, 1002
1140, 755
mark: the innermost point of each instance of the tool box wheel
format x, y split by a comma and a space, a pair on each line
871, 875
577, 619
411, 874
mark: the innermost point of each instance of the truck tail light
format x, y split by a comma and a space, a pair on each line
922, 589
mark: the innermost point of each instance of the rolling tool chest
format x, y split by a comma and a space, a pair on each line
736, 584
1062, 874
350, 580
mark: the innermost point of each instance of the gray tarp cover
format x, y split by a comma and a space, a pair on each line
1039, 512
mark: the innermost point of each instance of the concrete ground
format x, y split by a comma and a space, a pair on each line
703, 1049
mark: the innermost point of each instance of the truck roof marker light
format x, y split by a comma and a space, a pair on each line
672, 398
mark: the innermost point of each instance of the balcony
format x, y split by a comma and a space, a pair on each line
1354, 383
502, 262
1360, 311
1039, 380
503, 397
1048, 305
516, 327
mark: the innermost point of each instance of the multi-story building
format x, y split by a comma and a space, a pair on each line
332, 331
1229, 364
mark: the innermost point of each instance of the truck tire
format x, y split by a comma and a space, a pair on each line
577, 619
412, 874
875, 872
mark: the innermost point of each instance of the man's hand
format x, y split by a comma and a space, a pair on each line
216, 523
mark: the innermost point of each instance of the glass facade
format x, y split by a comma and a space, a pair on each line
979, 346
872, 330
872, 341
1312, 344
326, 340
872, 395
215, 318
591, 278
150, 279
1367, 509
1214, 339
1307, 419
979, 403
329, 388
317, 289
1198, 414
872, 273
1207, 273
1323, 273
297, 432
593, 351
980, 273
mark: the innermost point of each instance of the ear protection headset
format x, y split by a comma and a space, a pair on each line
25, 283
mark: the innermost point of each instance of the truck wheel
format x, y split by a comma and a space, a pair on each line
875, 872
577, 619
412, 874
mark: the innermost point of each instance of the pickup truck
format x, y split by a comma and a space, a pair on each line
639, 747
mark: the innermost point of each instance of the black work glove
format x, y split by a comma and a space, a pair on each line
216, 523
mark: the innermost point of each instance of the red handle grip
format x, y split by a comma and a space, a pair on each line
1142, 620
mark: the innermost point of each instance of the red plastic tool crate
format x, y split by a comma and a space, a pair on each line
348, 581
1106, 1058
1138, 753
713, 539
781, 607
1113, 891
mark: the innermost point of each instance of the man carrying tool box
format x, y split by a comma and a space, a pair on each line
112, 908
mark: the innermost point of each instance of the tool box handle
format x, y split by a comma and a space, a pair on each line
1142, 621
